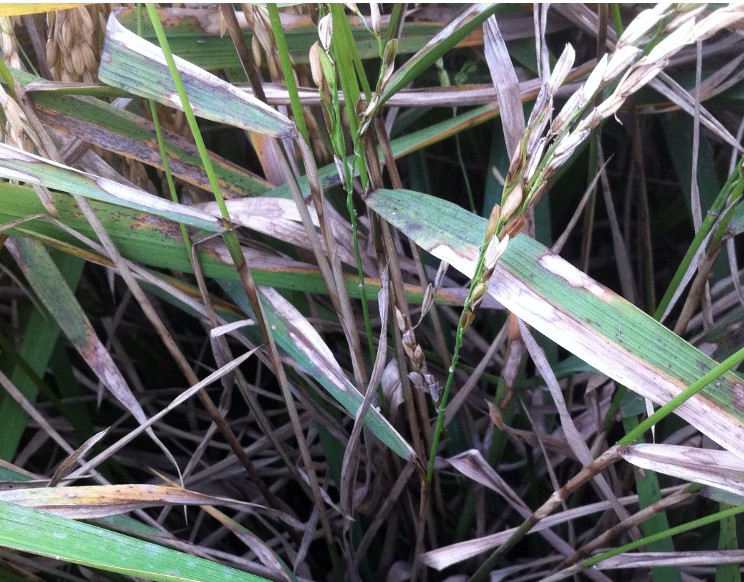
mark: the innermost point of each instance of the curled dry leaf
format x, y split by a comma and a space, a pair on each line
720, 469
66, 466
93, 501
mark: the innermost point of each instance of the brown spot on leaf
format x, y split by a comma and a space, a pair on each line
167, 228
737, 394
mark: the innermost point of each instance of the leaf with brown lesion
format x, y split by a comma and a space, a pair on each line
576, 312
95, 501
131, 63
16, 164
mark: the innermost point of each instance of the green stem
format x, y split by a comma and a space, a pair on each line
708, 519
729, 363
287, 72
189, 113
343, 52
439, 425
730, 190
162, 148
617, 20
360, 278
230, 239
343, 31
8, 79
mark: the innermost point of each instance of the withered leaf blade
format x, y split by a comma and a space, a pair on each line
506, 83
93, 501
720, 469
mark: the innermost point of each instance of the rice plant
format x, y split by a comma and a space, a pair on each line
363, 292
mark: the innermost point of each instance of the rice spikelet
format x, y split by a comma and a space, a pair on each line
680, 25
73, 45
16, 131
8, 43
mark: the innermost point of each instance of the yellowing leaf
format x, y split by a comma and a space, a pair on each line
20, 9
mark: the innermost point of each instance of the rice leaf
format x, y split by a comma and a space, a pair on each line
135, 65
577, 313
442, 42
157, 242
44, 534
720, 469
121, 132
506, 83
16, 164
297, 338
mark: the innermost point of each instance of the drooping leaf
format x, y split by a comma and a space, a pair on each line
297, 338
135, 65
577, 313
44, 534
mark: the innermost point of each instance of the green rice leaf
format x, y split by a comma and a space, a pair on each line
135, 65
41, 533
577, 313
442, 42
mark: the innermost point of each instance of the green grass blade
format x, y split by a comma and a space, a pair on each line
287, 71
343, 55
728, 541
39, 338
131, 63
445, 40
577, 313
44, 534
